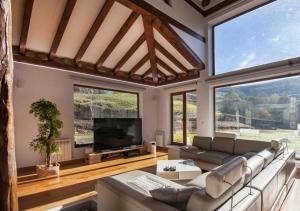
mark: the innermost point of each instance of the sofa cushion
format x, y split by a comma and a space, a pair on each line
243, 146
268, 155
212, 157
267, 182
248, 155
230, 172
225, 135
222, 144
199, 181
279, 152
200, 200
227, 159
119, 185
194, 155
242, 200
177, 197
276, 144
254, 164
202, 142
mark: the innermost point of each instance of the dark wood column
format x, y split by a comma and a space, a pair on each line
8, 174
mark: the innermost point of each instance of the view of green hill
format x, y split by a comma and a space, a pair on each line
115, 101
261, 104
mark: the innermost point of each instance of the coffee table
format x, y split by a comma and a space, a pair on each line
185, 169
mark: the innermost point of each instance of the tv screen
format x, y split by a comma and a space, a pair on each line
110, 133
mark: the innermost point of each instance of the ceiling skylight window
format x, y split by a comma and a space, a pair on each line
268, 34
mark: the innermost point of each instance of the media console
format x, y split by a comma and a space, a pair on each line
96, 157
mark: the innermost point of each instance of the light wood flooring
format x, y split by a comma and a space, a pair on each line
292, 201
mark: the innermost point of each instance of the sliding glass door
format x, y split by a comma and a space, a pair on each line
183, 117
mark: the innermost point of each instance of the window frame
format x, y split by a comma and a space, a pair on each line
241, 83
213, 73
183, 93
108, 89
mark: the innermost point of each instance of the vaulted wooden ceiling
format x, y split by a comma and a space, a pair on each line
123, 39
208, 7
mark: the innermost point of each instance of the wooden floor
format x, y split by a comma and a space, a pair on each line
292, 202
77, 178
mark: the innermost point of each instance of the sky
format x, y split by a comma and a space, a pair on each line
268, 34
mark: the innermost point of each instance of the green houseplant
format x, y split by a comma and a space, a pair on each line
48, 130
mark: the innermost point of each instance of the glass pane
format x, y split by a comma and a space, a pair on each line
191, 116
261, 110
116, 104
177, 103
90, 103
267, 34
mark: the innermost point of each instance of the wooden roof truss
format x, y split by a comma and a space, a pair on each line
152, 19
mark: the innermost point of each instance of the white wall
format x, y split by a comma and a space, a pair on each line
34, 82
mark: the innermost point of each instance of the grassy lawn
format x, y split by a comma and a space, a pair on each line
178, 137
84, 138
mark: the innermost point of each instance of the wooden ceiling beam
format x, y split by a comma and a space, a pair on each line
166, 67
62, 26
130, 52
145, 8
121, 33
196, 7
166, 53
205, 3
161, 73
219, 6
26, 23
94, 29
139, 65
178, 43
147, 21
145, 74
41, 59
176, 80
84, 68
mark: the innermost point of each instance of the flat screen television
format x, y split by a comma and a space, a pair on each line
116, 133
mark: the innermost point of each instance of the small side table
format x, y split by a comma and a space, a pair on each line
173, 152
185, 169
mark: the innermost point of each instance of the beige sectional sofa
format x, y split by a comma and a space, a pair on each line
210, 153
259, 182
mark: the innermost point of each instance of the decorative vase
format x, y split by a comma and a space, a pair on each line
43, 171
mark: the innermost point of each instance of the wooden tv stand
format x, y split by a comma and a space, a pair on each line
93, 158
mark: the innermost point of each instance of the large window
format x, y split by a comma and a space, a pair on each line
92, 103
267, 34
184, 117
261, 110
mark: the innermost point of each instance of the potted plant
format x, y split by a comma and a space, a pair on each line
49, 130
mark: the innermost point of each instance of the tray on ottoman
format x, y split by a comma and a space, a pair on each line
185, 169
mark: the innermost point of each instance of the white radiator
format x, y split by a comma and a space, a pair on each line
65, 152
